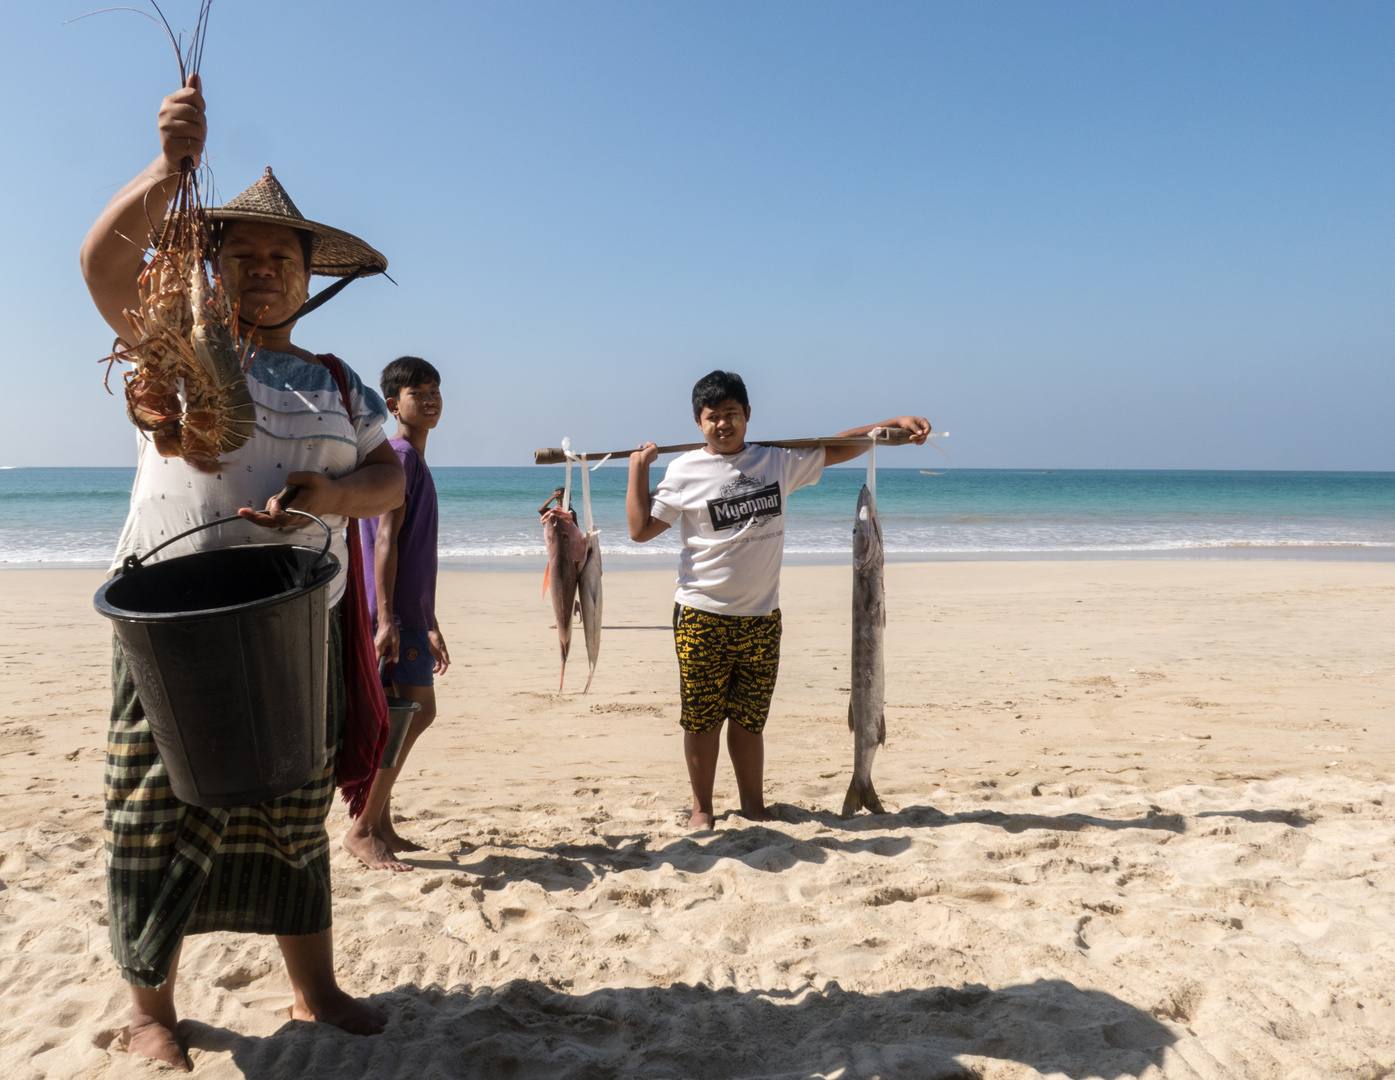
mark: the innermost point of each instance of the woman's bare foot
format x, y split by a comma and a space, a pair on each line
152, 1039
154, 1020
758, 813
344, 1012
372, 850
700, 821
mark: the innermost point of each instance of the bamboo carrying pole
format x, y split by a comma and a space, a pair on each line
555, 455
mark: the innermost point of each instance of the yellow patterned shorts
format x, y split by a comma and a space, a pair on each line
727, 666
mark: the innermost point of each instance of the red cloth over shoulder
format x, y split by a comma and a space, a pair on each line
366, 719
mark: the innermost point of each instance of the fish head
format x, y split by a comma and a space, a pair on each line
552, 529
591, 568
867, 531
561, 534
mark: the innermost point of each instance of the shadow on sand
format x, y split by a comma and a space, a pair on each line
525, 1030
1292, 818
573, 866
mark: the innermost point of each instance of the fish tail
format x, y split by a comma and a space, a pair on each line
861, 794
589, 676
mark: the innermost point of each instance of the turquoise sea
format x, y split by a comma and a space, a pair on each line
71, 517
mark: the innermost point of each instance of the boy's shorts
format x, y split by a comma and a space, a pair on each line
415, 665
727, 666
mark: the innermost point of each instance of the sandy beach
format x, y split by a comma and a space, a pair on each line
1142, 824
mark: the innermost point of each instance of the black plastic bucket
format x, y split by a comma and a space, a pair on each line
400, 713
229, 651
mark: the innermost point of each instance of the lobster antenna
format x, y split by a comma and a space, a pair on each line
158, 22
202, 31
176, 42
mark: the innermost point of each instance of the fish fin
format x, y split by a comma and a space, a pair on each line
851, 725
547, 577
861, 795
881, 730
589, 676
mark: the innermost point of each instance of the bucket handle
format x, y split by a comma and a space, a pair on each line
135, 562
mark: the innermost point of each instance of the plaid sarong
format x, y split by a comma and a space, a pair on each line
176, 869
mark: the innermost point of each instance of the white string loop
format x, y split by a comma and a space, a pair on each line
581, 460
586, 490
875, 434
586, 493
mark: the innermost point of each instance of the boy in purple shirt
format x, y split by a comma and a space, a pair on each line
399, 565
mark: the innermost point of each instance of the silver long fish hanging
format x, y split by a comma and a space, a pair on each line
867, 702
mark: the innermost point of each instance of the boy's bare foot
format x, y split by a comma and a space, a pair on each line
373, 852
152, 1039
395, 841
699, 820
343, 1011
759, 813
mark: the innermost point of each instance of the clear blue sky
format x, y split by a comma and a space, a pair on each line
1097, 235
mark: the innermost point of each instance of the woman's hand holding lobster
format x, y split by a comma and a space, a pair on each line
183, 125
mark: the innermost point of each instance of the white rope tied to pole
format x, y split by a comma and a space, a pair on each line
875, 434
585, 493
567, 487
586, 490
581, 460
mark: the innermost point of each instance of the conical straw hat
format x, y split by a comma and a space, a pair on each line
334, 253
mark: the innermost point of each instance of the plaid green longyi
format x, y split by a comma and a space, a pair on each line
175, 869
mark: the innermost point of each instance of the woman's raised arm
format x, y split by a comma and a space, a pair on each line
113, 254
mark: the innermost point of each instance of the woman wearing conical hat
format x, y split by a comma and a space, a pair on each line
174, 869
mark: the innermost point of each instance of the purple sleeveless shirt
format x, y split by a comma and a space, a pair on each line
414, 598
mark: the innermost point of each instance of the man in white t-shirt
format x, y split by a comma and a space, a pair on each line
726, 613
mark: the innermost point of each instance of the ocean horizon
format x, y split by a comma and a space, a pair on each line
71, 517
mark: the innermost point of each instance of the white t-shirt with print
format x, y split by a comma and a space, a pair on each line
733, 523
302, 426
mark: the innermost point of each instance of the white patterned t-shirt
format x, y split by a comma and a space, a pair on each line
732, 511
302, 426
